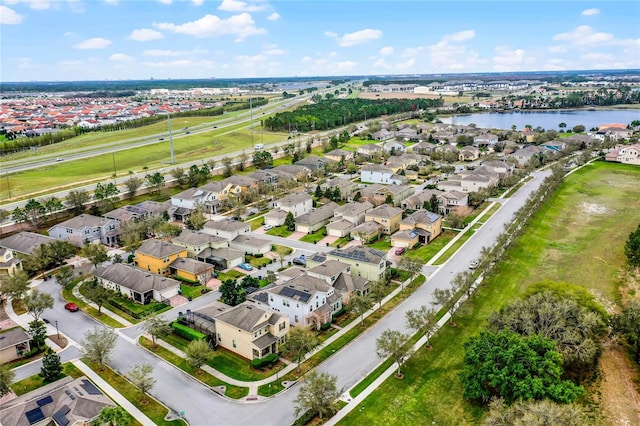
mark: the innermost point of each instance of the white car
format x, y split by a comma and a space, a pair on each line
267, 227
473, 264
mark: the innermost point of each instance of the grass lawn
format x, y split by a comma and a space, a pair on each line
282, 250
34, 382
84, 291
239, 368
258, 261
256, 223
192, 291
67, 294
563, 242
342, 241
234, 392
455, 246
232, 274
279, 231
425, 253
18, 306
152, 408
383, 244
314, 237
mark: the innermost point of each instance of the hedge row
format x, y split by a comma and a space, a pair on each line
186, 332
266, 361
151, 308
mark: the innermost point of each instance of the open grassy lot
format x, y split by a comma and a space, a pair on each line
577, 236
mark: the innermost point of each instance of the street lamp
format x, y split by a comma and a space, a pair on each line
57, 331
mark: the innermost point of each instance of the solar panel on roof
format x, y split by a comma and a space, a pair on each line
34, 416
90, 388
44, 401
60, 416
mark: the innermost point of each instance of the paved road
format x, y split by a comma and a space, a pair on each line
350, 364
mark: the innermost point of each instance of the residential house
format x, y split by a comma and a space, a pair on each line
250, 330
292, 171
468, 153
416, 202
365, 262
424, 148
474, 180
14, 344
347, 188
485, 139
554, 146
141, 286
67, 401
86, 228
154, 208
314, 163
523, 156
338, 155
221, 258
452, 201
428, 224
226, 228
127, 213
9, 263
196, 241
347, 216
370, 150
366, 232
502, 168
388, 217
155, 256
191, 269
315, 219
408, 134
378, 194
25, 242
338, 275
275, 217
264, 176
374, 173
627, 154
382, 135
394, 147
241, 183
250, 245
298, 203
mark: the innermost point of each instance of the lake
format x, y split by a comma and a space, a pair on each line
548, 120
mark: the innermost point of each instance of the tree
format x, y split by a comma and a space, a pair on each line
112, 416
241, 161
290, 222
228, 167
232, 292
394, 344
444, 298
64, 276
179, 176
562, 126
422, 320
317, 395
378, 291
155, 181
578, 129
133, 184
632, 248
301, 341
34, 211
77, 200
194, 177
106, 195
196, 220
6, 379
628, 323
36, 302
359, 304
96, 253
15, 286
513, 367
51, 369
52, 205
433, 204
98, 294
198, 352
38, 332
19, 215
157, 328
142, 377
413, 265
318, 192
98, 345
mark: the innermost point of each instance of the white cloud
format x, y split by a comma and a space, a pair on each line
411, 51
33, 4
558, 49
145, 34
449, 54
239, 6
387, 50
597, 56
406, 65
307, 59
381, 63
359, 37
241, 26
165, 1
273, 17
121, 57
590, 12
460, 36
345, 66
9, 16
506, 59
273, 50
197, 2
93, 43
584, 35
331, 34
159, 52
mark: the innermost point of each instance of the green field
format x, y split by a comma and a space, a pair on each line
577, 236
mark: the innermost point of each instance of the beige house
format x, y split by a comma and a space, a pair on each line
366, 232
346, 217
250, 245
420, 227
377, 194
315, 219
196, 241
9, 262
387, 216
365, 262
226, 228
339, 155
14, 344
469, 153
347, 188
250, 330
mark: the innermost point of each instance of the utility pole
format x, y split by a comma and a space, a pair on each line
115, 173
173, 158
251, 115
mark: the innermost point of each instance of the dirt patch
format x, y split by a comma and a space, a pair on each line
592, 209
618, 389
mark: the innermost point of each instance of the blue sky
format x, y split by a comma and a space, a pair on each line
130, 39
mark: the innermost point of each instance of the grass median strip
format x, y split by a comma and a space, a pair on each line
234, 392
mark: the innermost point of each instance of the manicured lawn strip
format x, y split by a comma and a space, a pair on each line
34, 382
357, 389
282, 250
383, 244
431, 391
256, 223
454, 247
314, 237
425, 253
192, 291
342, 241
234, 392
239, 368
152, 408
71, 370
513, 190
258, 261
230, 275
279, 231
67, 294
83, 291
270, 389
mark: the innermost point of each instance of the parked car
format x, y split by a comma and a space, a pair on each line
71, 307
400, 250
246, 266
473, 264
302, 260
267, 227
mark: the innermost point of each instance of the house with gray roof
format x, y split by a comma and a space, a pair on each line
191, 269
347, 188
369, 150
141, 286
250, 245
298, 203
86, 228
14, 344
375, 173
313, 162
226, 228
196, 241
25, 242
221, 258
315, 219
127, 213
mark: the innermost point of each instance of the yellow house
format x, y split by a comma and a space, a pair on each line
250, 330
364, 261
388, 217
155, 256
191, 269
426, 223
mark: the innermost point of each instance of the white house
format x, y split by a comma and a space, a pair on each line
374, 173
141, 286
86, 228
227, 229
298, 203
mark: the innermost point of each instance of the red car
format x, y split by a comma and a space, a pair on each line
400, 250
71, 307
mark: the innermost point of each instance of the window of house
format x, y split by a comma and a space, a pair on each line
296, 318
219, 338
282, 326
234, 343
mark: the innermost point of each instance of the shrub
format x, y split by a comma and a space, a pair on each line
258, 255
325, 326
337, 314
186, 332
262, 362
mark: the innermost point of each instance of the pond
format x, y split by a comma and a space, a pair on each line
548, 120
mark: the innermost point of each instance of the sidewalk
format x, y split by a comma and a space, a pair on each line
107, 312
24, 320
114, 394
